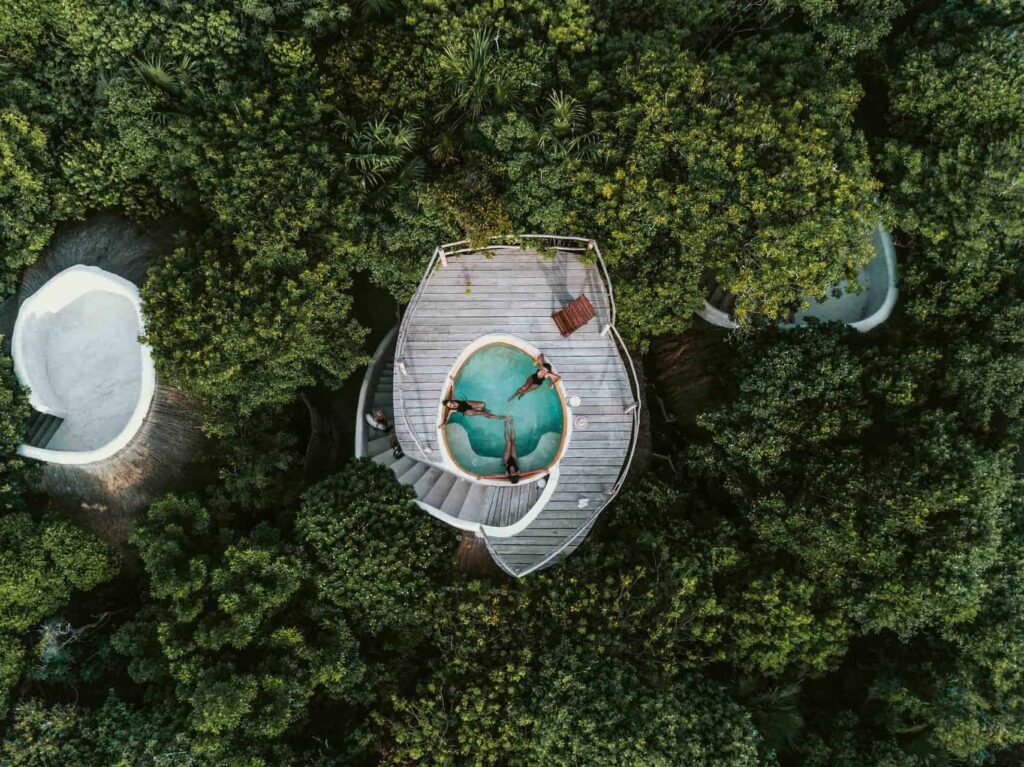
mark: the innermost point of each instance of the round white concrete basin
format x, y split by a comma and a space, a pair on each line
76, 346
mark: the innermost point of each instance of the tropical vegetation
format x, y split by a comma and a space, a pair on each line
824, 562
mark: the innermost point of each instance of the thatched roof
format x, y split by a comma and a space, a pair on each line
106, 496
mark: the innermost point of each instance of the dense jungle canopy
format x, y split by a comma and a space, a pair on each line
824, 569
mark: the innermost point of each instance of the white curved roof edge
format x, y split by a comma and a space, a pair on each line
447, 462
883, 247
507, 531
82, 279
716, 317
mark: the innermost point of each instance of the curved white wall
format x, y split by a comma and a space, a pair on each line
862, 310
869, 307
75, 345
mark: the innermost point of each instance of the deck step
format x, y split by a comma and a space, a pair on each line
452, 503
436, 495
42, 428
402, 465
386, 458
422, 486
499, 511
478, 500
378, 445
413, 474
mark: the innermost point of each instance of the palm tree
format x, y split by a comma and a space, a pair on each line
172, 79
775, 710
473, 77
563, 129
382, 156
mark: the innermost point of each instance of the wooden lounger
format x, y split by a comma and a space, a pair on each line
574, 316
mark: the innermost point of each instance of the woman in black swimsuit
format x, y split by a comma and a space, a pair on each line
468, 407
535, 379
510, 458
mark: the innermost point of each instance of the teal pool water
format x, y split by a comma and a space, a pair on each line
492, 374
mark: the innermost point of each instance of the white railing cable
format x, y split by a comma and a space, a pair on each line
400, 346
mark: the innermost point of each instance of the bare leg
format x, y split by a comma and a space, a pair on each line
512, 432
480, 408
510, 441
526, 387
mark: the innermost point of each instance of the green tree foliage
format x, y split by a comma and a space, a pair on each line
271, 184
116, 734
953, 157
15, 473
255, 630
963, 688
585, 712
832, 578
721, 175
43, 563
247, 346
25, 199
901, 525
42, 736
700, 594
231, 615
12, 658
378, 556
23, 27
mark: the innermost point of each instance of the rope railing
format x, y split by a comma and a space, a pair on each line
583, 529
400, 346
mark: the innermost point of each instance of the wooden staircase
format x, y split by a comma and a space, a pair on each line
41, 429
433, 486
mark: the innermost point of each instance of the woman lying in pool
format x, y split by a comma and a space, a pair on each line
535, 379
468, 407
510, 457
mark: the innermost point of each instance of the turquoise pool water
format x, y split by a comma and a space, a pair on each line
492, 374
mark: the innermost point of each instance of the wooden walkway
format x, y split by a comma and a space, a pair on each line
512, 291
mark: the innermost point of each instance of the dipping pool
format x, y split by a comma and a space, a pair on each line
476, 444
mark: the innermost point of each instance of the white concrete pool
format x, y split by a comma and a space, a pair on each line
543, 420
76, 347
